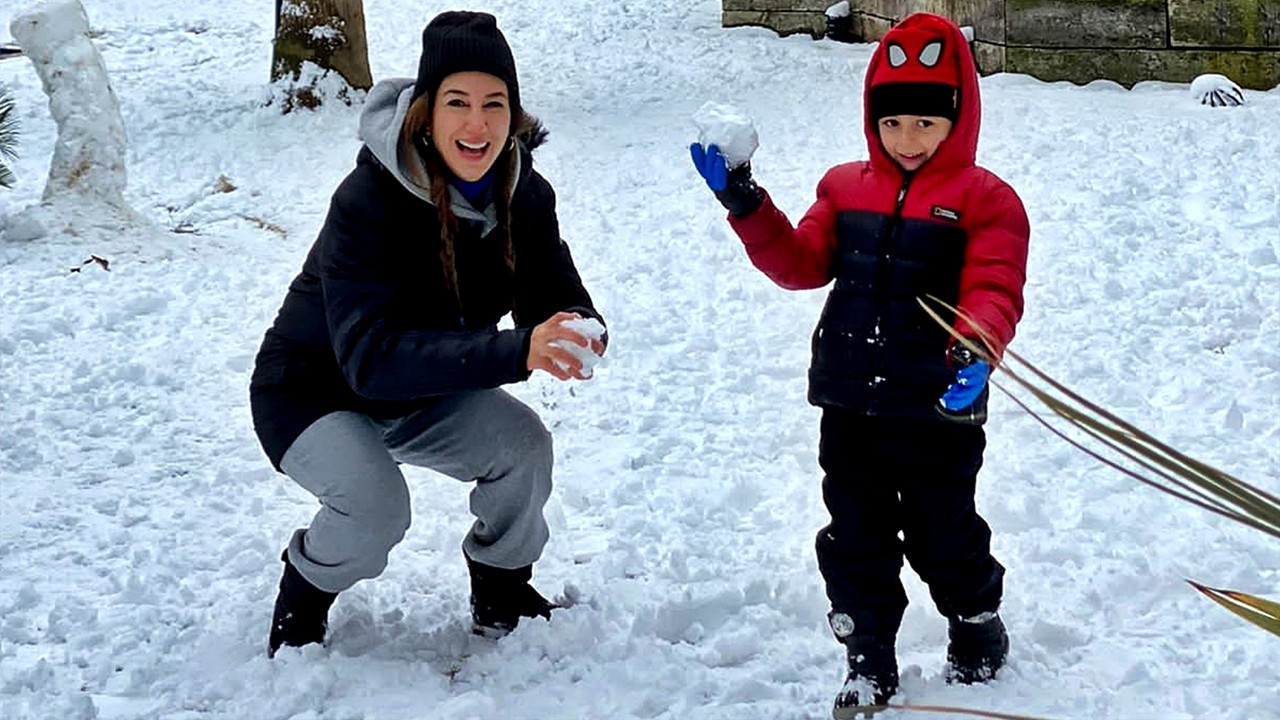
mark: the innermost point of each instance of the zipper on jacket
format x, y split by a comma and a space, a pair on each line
886, 241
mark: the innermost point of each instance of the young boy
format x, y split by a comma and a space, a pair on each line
902, 405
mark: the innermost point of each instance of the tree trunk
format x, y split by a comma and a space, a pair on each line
328, 34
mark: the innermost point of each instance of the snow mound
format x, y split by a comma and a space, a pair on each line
89, 160
1216, 91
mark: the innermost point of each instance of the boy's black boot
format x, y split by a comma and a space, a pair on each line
977, 649
500, 597
873, 669
301, 615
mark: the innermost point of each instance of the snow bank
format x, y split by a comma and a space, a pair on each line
89, 158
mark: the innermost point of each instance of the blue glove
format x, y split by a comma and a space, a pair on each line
711, 166
735, 189
971, 380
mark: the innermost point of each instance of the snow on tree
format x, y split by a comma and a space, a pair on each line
319, 52
89, 155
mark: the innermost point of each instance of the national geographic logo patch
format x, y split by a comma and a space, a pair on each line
945, 213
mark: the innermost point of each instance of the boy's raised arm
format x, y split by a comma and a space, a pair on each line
796, 258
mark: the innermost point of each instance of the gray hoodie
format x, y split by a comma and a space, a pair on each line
380, 122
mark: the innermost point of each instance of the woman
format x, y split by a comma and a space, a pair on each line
386, 349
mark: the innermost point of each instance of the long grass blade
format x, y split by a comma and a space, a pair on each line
1243, 605
1238, 488
1106, 436
1223, 485
1265, 501
1260, 604
1161, 467
1230, 515
1060, 408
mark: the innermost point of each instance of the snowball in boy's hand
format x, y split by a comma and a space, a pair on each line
1216, 91
729, 129
589, 328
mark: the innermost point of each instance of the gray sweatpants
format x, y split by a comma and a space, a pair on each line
349, 462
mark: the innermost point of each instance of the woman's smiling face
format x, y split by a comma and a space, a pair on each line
470, 122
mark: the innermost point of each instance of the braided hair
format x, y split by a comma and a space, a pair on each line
415, 135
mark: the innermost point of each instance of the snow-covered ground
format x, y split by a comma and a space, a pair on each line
140, 524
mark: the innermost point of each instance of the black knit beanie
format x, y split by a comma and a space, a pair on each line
459, 41
914, 98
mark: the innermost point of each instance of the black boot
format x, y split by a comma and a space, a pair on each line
500, 597
301, 614
872, 678
977, 649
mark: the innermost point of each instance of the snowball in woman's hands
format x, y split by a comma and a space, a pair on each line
729, 129
589, 328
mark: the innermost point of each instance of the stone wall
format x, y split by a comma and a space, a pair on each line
787, 17
1077, 40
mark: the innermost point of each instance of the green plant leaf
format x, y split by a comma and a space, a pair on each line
1257, 603
8, 136
1157, 464
1263, 613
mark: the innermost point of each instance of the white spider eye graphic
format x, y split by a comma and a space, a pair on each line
897, 56
931, 53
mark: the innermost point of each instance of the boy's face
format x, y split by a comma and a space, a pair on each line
911, 140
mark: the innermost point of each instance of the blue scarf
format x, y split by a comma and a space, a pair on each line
475, 191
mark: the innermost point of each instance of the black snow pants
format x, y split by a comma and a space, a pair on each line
917, 477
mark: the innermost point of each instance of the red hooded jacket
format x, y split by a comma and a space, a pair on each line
950, 229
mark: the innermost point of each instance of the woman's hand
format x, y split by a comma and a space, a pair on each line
558, 362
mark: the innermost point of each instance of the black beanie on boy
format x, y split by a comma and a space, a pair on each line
916, 69
459, 41
914, 98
